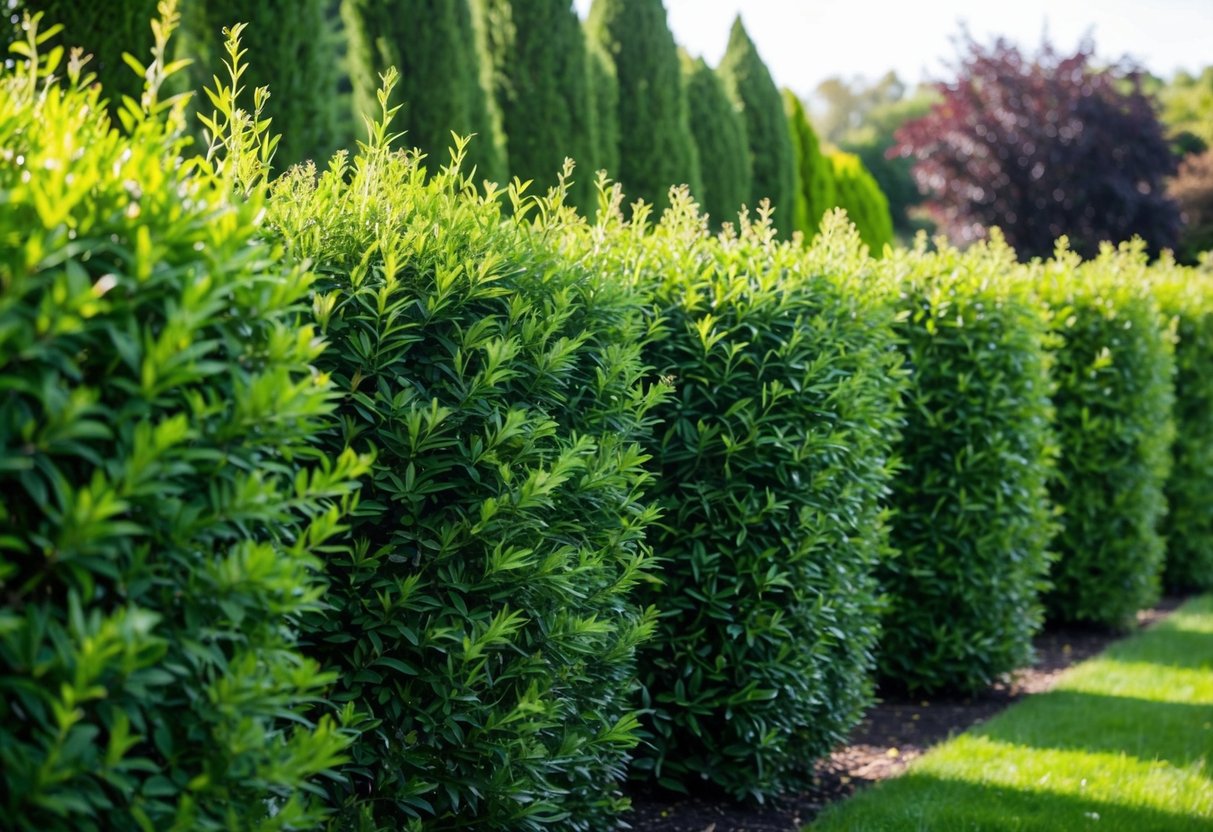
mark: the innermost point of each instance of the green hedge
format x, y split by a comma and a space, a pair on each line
773, 460
1186, 295
972, 520
1115, 389
164, 513
484, 621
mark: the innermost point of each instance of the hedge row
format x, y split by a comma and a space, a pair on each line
348, 499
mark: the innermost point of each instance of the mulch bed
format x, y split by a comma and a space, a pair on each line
893, 733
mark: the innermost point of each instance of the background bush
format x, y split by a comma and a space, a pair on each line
164, 511
1115, 390
856, 192
972, 516
773, 460
1187, 296
484, 620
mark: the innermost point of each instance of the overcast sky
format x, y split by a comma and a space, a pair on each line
805, 41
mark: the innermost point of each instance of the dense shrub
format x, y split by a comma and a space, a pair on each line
720, 137
815, 193
1192, 188
483, 620
164, 514
1115, 389
1187, 296
604, 92
773, 460
972, 513
857, 193
772, 163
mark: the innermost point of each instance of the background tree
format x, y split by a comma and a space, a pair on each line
815, 194
604, 95
433, 45
847, 105
1044, 146
856, 191
1187, 110
540, 83
656, 149
720, 138
750, 86
1193, 190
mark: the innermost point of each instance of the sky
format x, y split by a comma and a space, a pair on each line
803, 42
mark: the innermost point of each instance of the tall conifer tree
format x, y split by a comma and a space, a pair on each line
750, 86
604, 93
815, 179
656, 149
724, 154
865, 203
540, 82
433, 45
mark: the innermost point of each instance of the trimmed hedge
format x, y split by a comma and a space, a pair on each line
1186, 295
164, 511
1115, 389
773, 460
973, 520
484, 620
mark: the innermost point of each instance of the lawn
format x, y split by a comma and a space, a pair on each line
1123, 744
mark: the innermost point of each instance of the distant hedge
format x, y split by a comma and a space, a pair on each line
1114, 370
973, 520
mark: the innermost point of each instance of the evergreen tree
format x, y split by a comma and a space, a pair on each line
604, 93
536, 54
292, 48
865, 204
750, 86
656, 149
433, 45
724, 154
815, 194
104, 29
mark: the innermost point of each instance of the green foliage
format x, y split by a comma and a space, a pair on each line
656, 148
1115, 390
293, 50
724, 154
540, 80
483, 620
164, 513
815, 194
1187, 296
1187, 110
857, 192
433, 46
971, 502
772, 163
773, 459
604, 93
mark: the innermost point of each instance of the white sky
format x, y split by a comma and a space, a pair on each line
806, 41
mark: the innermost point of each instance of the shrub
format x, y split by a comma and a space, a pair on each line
1115, 390
484, 620
164, 513
815, 177
773, 460
1193, 190
604, 90
720, 139
857, 193
1187, 296
972, 515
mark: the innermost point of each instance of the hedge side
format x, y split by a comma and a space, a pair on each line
484, 620
164, 512
973, 519
1115, 390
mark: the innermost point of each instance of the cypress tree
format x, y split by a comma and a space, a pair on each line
865, 203
292, 48
815, 194
604, 93
724, 154
750, 86
540, 83
433, 44
656, 149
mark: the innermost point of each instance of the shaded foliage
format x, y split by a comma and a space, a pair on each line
720, 137
1192, 188
815, 175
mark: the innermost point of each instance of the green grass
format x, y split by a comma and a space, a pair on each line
1123, 744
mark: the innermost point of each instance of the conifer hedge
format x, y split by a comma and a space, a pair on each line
973, 520
165, 512
1114, 370
815, 194
724, 154
857, 193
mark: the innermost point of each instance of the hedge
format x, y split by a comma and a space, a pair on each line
1115, 389
773, 458
164, 512
973, 520
483, 621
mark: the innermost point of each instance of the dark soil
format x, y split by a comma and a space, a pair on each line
894, 732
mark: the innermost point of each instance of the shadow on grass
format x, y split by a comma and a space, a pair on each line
1178, 733
954, 805
1185, 649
